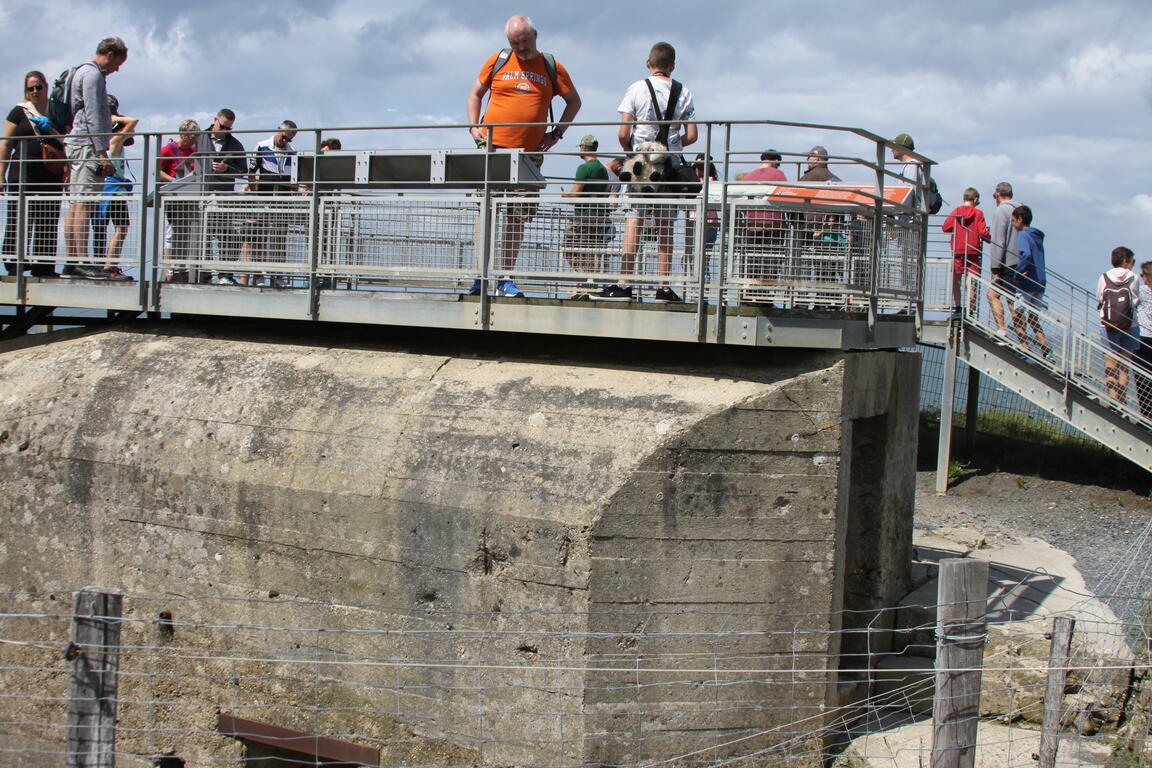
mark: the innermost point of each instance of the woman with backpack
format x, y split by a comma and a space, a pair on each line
29, 149
1117, 296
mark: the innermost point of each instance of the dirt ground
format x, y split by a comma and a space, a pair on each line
1107, 528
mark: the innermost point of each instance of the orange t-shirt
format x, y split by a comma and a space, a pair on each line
521, 92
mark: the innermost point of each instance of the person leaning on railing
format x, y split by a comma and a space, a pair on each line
26, 148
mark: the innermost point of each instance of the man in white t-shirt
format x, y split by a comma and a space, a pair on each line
636, 109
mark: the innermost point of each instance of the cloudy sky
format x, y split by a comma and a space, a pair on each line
1052, 96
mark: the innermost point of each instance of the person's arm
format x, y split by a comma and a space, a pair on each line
116, 145
624, 135
571, 107
690, 135
6, 148
950, 222
998, 240
576, 190
475, 100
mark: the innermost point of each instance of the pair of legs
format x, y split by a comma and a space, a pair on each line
40, 228
663, 219
1025, 318
85, 186
583, 240
1001, 286
965, 268
1120, 347
1144, 376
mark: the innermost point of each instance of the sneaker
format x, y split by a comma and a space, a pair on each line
957, 313
325, 284
115, 273
475, 289
85, 272
1001, 334
224, 279
508, 288
1048, 356
665, 295
614, 292
178, 276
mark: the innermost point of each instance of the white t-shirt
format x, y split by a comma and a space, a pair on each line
637, 102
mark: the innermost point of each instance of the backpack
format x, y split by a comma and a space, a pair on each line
60, 100
1116, 304
933, 198
549, 65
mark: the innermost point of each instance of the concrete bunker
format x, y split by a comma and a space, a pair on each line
506, 551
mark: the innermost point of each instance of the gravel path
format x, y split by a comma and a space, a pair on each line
1106, 530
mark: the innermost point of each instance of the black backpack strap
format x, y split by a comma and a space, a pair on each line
669, 110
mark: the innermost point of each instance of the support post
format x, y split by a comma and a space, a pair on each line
973, 409
947, 406
95, 655
961, 621
1062, 628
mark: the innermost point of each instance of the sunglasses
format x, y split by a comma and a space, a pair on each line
34, 88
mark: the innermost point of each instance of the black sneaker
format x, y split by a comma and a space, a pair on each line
666, 295
86, 272
178, 276
614, 292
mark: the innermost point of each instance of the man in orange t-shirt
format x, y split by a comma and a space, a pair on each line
521, 93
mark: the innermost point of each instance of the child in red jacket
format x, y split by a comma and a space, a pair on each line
969, 233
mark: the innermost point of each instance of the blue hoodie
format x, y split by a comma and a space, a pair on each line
1031, 265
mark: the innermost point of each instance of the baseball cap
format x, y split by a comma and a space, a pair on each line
905, 141
590, 141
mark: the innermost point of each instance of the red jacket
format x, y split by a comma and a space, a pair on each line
968, 229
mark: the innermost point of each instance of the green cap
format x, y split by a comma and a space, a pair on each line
905, 141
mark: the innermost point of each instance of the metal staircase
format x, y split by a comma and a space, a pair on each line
1068, 383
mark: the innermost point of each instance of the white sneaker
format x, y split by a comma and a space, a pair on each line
224, 280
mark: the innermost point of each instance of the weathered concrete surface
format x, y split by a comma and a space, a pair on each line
513, 519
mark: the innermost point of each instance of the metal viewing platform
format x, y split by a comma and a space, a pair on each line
406, 237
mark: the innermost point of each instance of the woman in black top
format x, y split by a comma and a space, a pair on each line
22, 141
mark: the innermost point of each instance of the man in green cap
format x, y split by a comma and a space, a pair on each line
590, 226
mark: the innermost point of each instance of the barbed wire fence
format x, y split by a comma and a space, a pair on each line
216, 681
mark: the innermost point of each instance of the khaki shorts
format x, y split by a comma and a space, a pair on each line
87, 174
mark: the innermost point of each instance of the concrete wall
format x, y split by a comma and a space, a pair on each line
547, 510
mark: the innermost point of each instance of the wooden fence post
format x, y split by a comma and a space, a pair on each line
961, 624
1062, 628
95, 655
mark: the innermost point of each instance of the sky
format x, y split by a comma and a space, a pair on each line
1054, 97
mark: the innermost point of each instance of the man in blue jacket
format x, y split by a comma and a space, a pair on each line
1030, 280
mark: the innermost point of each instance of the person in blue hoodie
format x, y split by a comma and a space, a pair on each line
1030, 280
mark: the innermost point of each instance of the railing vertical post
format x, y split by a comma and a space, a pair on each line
961, 616
486, 238
723, 235
95, 656
314, 237
21, 219
699, 238
877, 239
146, 280
1062, 627
922, 249
157, 232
